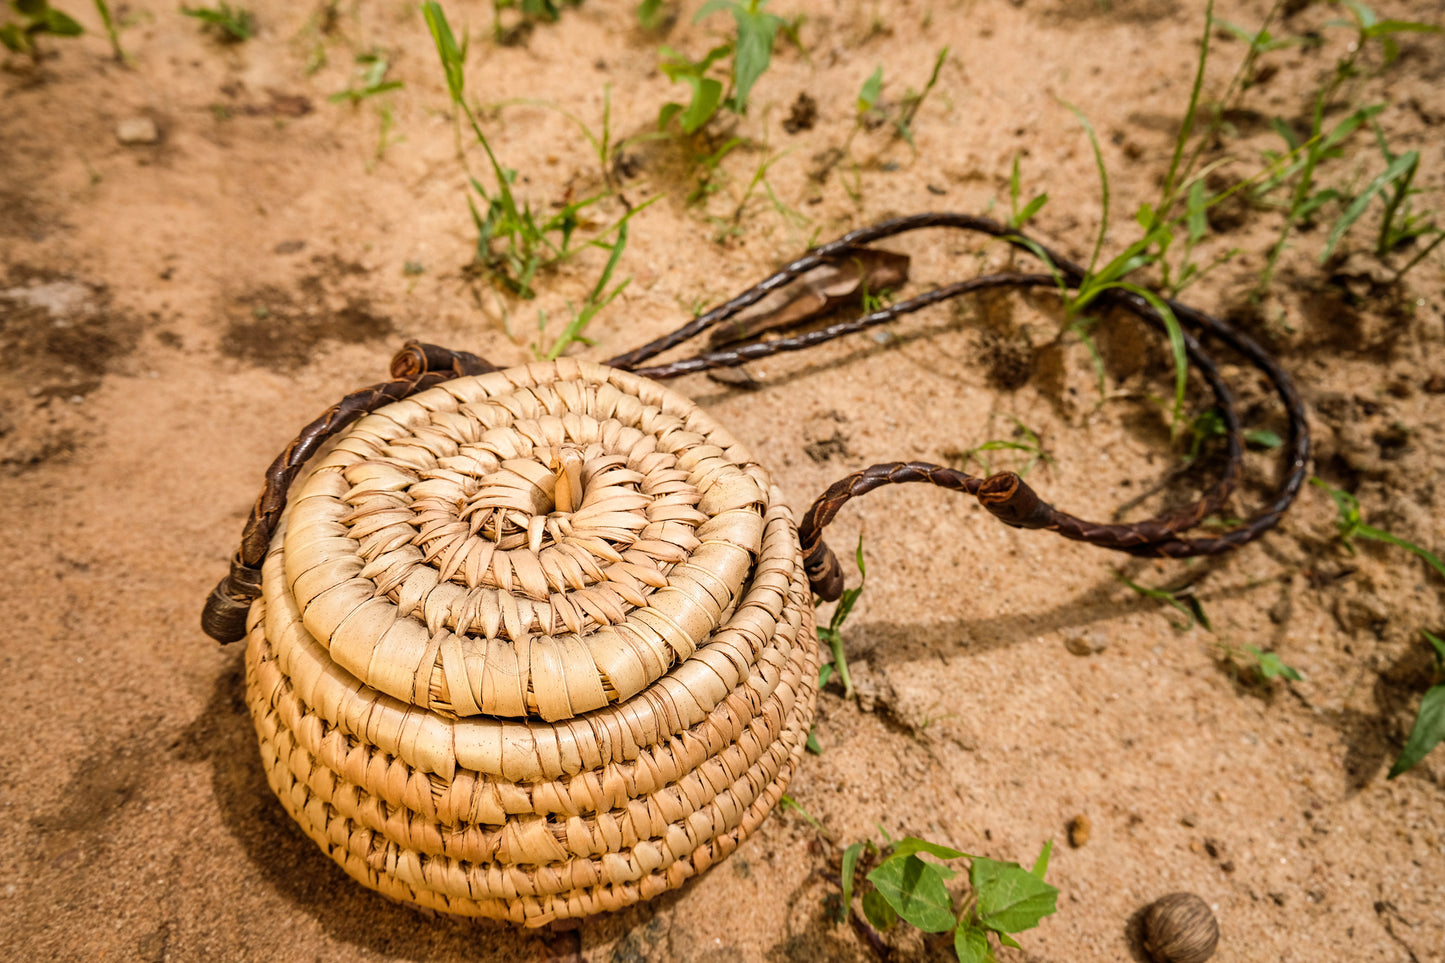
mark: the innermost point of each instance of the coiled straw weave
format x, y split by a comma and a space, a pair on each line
532, 645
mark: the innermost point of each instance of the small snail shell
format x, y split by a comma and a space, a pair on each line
1180, 928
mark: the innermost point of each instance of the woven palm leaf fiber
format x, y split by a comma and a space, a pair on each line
533, 644
536, 644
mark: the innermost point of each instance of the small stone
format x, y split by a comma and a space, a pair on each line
1189, 819
1079, 829
1086, 643
137, 130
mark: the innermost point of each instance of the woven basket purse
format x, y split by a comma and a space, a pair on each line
536, 644
532, 645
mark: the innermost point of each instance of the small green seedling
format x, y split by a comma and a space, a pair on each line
531, 13
597, 299
872, 112
832, 634
1208, 426
653, 15
1004, 898
1020, 216
1352, 526
751, 51
112, 31
1304, 200
1429, 728
512, 243
786, 802
1025, 440
371, 68
1399, 225
1270, 666
37, 18
230, 24
1183, 599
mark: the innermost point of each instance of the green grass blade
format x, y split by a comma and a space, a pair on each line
1427, 733
1402, 166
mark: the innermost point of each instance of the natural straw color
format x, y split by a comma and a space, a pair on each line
532, 645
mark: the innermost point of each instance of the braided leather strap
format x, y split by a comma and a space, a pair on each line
1006, 495
415, 368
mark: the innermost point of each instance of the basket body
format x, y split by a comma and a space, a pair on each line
532, 645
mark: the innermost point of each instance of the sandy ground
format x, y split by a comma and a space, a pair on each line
171, 312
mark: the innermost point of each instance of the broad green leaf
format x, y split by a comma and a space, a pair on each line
873, 87
14, 38
1427, 733
1010, 899
909, 845
971, 944
916, 892
1041, 865
60, 24
756, 32
877, 911
665, 115
706, 95
850, 867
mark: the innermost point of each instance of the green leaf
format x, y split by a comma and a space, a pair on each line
1010, 899
971, 944
1428, 731
60, 24
665, 115
1263, 438
1271, 666
651, 14
706, 95
1401, 166
1030, 209
757, 31
1439, 645
1041, 865
873, 87
916, 892
850, 869
449, 53
877, 911
1400, 26
14, 38
909, 845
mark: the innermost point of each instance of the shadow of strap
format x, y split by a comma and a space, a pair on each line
415, 368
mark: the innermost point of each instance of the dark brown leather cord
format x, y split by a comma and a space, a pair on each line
415, 368
1006, 495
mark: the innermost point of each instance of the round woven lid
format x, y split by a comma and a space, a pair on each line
537, 542
531, 645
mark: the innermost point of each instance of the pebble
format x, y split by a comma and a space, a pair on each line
137, 130
1086, 643
1079, 829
